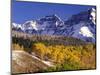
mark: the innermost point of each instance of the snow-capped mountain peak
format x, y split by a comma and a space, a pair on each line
81, 25
30, 25
17, 26
93, 14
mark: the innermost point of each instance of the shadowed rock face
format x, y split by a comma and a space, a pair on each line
23, 62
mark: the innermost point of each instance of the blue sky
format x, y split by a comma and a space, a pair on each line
23, 11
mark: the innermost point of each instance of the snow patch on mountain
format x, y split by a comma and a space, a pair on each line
86, 32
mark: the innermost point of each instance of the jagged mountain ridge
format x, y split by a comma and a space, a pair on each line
81, 25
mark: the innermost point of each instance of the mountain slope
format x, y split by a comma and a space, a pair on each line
82, 25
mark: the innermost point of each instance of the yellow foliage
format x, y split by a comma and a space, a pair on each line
41, 49
17, 47
60, 53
